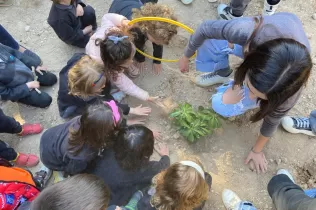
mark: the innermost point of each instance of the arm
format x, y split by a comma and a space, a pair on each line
235, 31
158, 51
67, 33
13, 94
25, 58
127, 86
125, 108
115, 19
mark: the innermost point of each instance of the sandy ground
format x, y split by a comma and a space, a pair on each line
222, 153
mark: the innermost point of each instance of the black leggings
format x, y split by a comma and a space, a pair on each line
9, 124
7, 152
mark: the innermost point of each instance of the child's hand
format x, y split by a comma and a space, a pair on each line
39, 69
136, 121
125, 22
162, 149
157, 68
157, 135
140, 65
153, 99
87, 30
33, 85
140, 110
79, 10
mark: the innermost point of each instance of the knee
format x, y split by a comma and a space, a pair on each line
89, 11
45, 100
52, 79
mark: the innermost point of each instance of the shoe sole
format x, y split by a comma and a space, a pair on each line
205, 86
295, 131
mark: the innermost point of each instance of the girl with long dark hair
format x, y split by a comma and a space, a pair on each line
276, 67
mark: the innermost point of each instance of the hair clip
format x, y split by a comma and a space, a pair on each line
95, 82
117, 39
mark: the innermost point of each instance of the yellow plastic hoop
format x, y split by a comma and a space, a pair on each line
166, 20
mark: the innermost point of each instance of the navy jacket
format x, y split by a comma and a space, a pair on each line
15, 72
69, 105
124, 7
123, 183
67, 26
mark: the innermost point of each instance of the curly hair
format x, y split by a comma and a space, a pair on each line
180, 187
158, 30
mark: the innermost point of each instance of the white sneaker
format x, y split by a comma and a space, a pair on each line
230, 199
225, 12
186, 1
269, 9
208, 79
297, 125
287, 173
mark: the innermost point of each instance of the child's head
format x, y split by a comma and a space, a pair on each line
97, 128
86, 78
117, 51
83, 191
181, 187
134, 146
157, 32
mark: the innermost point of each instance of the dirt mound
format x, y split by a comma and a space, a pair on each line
306, 175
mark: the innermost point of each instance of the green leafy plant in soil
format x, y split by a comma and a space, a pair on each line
194, 124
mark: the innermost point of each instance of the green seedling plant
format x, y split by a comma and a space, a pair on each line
194, 124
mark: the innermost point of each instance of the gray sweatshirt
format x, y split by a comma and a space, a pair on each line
237, 31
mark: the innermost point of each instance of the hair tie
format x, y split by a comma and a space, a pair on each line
117, 39
195, 166
96, 81
115, 111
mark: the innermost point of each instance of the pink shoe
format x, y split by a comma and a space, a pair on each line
29, 129
26, 160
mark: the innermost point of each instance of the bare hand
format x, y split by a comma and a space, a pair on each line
157, 135
140, 110
162, 149
157, 68
39, 69
141, 66
33, 85
259, 160
125, 22
79, 10
184, 64
87, 29
153, 99
136, 121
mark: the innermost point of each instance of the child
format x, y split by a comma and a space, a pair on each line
182, 186
18, 187
17, 79
72, 21
71, 146
116, 51
159, 33
82, 82
127, 167
80, 192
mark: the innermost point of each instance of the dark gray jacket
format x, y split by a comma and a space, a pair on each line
15, 72
238, 31
54, 150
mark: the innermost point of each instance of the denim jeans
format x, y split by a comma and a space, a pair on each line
312, 121
7, 39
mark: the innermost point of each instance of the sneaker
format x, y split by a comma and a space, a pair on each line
225, 12
269, 9
43, 176
297, 125
28, 129
287, 173
186, 1
208, 79
26, 160
230, 199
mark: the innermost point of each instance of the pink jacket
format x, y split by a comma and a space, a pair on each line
126, 85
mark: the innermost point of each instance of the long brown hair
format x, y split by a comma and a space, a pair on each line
82, 191
278, 68
97, 129
180, 187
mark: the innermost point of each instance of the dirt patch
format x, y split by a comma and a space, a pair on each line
306, 175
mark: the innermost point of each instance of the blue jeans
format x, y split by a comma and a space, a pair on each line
7, 39
213, 55
246, 206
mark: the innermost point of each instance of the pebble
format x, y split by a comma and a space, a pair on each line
314, 16
304, 186
176, 135
278, 161
314, 61
309, 36
284, 160
271, 161
27, 28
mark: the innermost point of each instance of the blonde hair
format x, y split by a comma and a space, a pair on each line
82, 77
180, 187
158, 30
